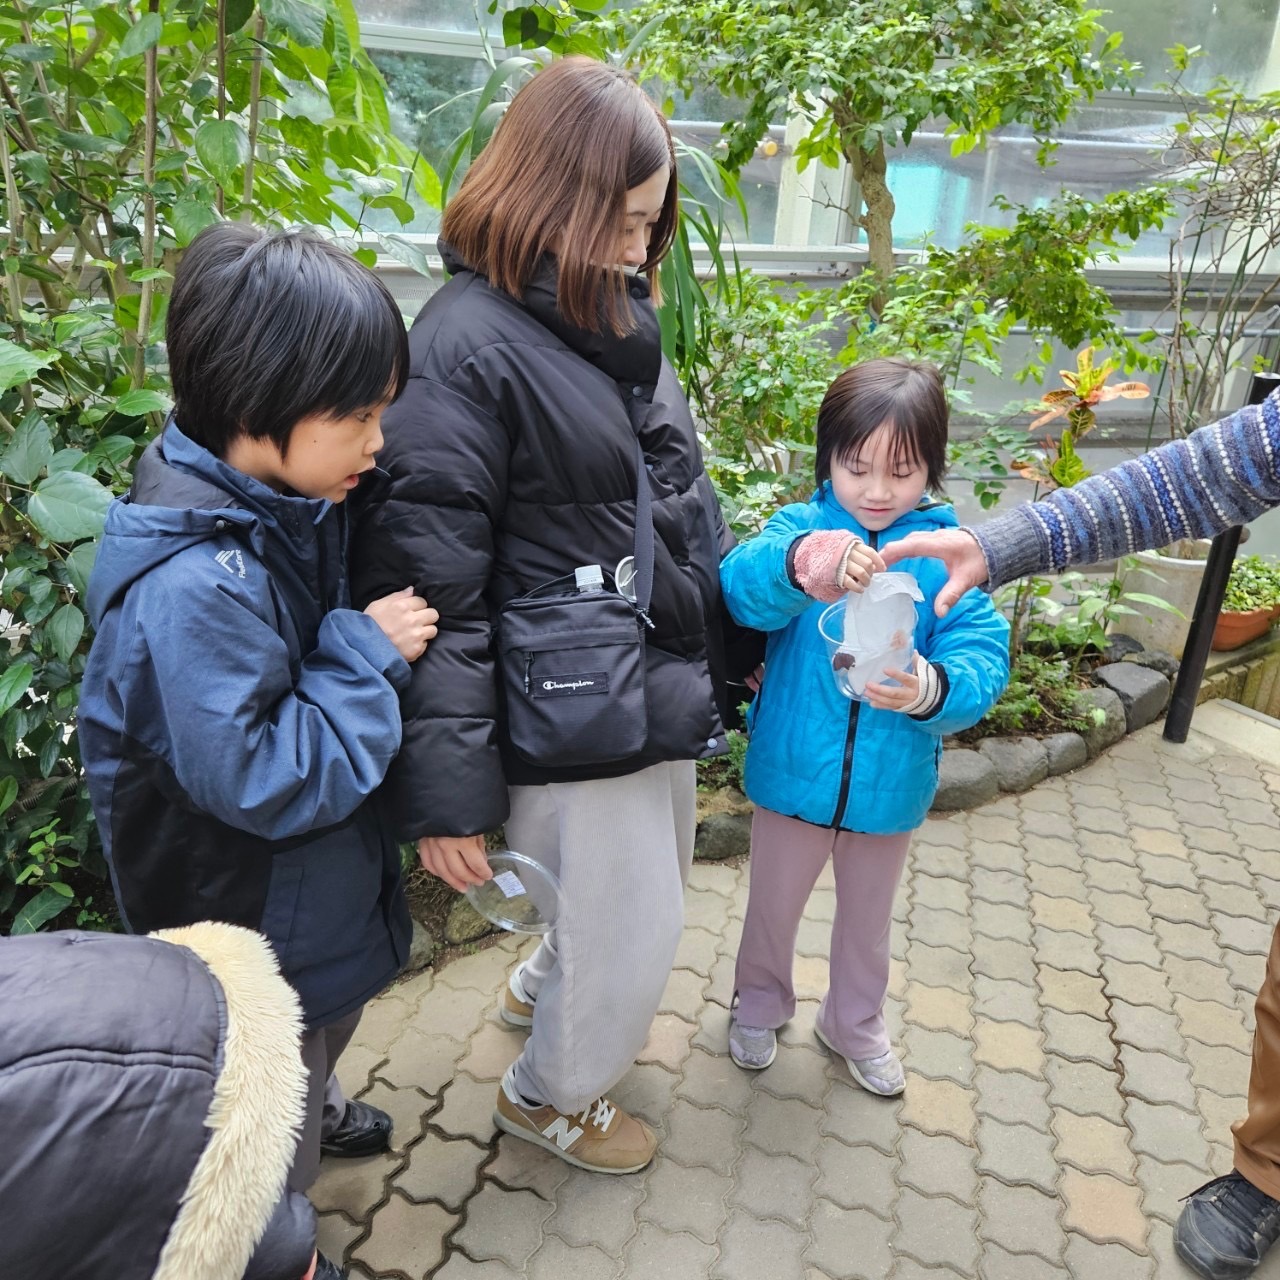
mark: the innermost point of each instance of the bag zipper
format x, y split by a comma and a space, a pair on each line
846, 772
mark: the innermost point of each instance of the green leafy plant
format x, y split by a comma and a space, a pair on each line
866, 77
124, 132
1077, 629
1041, 697
1060, 465
1254, 583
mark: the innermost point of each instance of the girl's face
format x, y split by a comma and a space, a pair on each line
878, 485
644, 208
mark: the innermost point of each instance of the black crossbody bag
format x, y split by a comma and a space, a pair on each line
573, 663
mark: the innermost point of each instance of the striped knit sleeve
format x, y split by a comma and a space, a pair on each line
1221, 475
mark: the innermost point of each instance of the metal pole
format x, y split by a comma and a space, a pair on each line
1213, 587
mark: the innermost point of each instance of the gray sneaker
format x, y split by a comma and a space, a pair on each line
882, 1076
753, 1048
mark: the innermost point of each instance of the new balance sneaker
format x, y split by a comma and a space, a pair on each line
1226, 1228
602, 1137
517, 1004
752, 1048
882, 1076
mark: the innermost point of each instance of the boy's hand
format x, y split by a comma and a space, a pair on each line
407, 621
457, 860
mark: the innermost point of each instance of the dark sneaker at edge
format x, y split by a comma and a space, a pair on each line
1226, 1228
364, 1131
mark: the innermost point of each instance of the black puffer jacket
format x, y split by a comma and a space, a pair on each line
512, 461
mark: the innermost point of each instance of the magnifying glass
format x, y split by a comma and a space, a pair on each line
624, 578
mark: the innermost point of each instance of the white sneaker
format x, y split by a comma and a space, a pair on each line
882, 1076
516, 1009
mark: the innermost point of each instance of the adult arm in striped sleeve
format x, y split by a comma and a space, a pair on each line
1221, 475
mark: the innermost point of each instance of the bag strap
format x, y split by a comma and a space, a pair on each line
644, 535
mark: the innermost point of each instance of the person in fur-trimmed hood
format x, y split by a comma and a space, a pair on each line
151, 1091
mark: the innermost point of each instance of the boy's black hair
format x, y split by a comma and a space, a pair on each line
905, 395
267, 328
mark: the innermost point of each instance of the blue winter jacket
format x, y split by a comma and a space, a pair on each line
817, 755
237, 715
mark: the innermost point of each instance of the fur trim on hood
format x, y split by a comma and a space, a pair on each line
256, 1113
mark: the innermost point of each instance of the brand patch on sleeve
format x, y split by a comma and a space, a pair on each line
566, 684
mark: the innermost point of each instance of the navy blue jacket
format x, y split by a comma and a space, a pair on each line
237, 715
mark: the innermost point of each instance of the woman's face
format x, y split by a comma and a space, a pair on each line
644, 207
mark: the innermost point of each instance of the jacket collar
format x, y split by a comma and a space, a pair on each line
635, 358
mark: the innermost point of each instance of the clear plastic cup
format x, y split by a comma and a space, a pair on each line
523, 896
842, 662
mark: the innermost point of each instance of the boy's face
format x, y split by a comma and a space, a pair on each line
326, 456
878, 485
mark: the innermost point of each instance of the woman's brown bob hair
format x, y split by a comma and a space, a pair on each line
555, 176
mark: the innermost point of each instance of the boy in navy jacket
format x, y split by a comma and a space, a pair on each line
237, 714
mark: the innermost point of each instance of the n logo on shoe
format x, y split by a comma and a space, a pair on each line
560, 1133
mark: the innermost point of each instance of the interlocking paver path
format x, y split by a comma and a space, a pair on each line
1073, 983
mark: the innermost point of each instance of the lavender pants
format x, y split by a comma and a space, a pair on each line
787, 856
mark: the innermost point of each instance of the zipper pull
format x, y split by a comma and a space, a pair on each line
644, 617
528, 663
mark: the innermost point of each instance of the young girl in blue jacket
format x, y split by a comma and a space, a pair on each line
831, 777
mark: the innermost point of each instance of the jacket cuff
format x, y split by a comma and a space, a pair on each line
1013, 546
791, 561
934, 687
370, 639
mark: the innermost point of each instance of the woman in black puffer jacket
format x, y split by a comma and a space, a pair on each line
512, 454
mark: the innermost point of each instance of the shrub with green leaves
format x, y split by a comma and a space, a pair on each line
1254, 584
122, 134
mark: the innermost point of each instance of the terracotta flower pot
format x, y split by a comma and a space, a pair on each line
1234, 629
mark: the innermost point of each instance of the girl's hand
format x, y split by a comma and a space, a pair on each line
861, 562
829, 562
889, 697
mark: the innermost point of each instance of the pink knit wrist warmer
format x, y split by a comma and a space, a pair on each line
819, 563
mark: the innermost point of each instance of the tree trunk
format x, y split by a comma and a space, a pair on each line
870, 169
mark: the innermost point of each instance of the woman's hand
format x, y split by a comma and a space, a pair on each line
407, 621
457, 860
958, 549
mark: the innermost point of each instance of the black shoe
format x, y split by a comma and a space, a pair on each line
364, 1131
1226, 1228
326, 1270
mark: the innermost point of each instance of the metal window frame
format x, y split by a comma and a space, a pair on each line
836, 259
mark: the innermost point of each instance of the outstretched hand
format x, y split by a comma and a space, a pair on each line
457, 860
957, 549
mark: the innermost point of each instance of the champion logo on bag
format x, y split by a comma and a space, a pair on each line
568, 684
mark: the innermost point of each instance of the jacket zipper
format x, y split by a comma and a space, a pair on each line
846, 773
